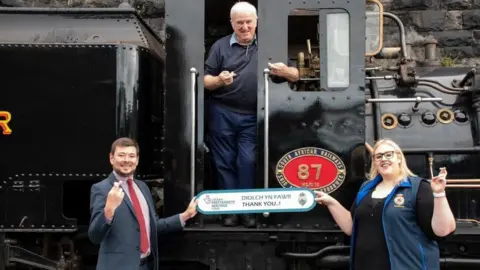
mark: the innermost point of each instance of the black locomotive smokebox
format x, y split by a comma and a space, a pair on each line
72, 81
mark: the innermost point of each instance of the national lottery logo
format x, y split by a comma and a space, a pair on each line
207, 199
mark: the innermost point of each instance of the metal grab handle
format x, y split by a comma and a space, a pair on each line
417, 101
400, 100
266, 73
386, 77
193, 77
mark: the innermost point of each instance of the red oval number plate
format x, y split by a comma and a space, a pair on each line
311, 167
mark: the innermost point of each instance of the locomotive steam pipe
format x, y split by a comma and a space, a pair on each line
440, 89
459, 262
388, 53
375, 108
402, 32
467, 77
379, 68
318, 254
334, 262
444, 86
335, 257
193, 77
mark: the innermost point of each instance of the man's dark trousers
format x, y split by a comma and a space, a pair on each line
232, 141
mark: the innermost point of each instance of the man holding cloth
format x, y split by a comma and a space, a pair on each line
231, 78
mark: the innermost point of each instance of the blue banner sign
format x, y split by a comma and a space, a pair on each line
241, 201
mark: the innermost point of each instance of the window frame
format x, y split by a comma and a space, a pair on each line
322, 29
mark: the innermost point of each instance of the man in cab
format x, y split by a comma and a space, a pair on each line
231, 110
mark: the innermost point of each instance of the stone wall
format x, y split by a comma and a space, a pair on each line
455, 24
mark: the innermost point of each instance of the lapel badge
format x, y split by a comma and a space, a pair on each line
399, 200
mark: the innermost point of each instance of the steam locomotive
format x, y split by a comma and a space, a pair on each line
73, 80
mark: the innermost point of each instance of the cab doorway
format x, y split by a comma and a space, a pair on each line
217, 25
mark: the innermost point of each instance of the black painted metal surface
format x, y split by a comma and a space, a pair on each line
332, 120
427, 134
68, 102
2, 254
63, 120
413, 135
185, 51
77, 26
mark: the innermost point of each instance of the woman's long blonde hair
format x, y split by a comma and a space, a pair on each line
404, 170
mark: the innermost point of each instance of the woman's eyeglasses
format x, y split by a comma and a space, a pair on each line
387, 155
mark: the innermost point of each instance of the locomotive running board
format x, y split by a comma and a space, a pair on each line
17, 255
40, 230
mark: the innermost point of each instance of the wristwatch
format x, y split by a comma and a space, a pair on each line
439, 195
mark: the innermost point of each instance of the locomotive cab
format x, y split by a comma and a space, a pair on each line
323, 110
320, 118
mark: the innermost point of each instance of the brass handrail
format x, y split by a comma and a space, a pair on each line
456, 182
469, 220
464, 180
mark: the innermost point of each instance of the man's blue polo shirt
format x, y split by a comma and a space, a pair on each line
227, 54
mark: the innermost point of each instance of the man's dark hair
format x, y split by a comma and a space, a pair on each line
124, 142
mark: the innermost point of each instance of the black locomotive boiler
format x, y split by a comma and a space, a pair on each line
73, 80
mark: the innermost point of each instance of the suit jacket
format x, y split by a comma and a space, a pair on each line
120, 240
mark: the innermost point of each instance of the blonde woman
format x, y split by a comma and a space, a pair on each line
396, 217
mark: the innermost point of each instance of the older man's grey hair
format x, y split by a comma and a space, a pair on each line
243, 7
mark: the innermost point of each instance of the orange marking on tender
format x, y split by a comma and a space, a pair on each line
5, 117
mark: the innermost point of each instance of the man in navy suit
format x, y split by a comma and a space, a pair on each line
126, 227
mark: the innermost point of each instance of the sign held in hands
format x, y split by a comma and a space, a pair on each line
242, 201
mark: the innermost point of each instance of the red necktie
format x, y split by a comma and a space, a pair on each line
141, 220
